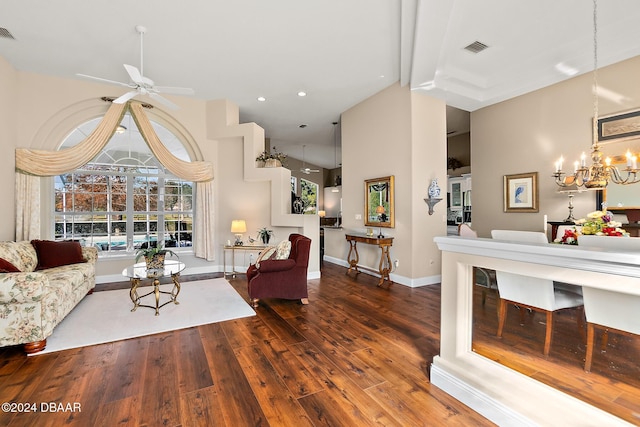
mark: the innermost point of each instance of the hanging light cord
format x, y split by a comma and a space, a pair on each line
595, 73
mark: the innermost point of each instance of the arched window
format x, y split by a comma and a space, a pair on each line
124, 198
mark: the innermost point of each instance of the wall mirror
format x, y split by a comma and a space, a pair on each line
619, 197
378, 202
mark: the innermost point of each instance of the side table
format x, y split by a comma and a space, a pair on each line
233, 249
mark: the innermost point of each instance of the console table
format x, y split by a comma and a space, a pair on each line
233, 249
384, 243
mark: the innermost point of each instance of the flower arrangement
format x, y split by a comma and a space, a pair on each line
600, 223
273, 154
570, 237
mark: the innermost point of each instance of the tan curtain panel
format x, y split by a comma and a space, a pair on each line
190, 171
27, 207
204, 246
50, 163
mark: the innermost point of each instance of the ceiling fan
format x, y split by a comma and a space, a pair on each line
140, 84
305, 169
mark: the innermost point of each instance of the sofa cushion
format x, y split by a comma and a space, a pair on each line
7, 267
55, 254
21, 254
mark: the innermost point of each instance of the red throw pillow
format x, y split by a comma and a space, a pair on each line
7, 267
54, 254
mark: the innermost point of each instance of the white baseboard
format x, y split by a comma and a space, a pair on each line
396, 278
480, 402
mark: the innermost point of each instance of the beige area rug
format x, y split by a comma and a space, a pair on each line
106, 316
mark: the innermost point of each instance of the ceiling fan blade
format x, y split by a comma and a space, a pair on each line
163, 100
134, 73
175, 90
105, 80
124, 98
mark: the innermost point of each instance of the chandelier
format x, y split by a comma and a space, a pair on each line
598, 174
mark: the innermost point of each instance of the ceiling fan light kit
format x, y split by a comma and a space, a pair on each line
140, 84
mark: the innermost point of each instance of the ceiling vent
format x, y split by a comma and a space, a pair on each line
5, 34
476, 47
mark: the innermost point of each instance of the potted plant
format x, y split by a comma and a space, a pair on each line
265, 235
271, 159
154, 256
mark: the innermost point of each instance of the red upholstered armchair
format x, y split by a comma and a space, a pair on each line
283, 278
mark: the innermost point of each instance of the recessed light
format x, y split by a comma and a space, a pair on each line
262, 98
302, 93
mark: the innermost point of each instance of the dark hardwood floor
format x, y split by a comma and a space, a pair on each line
356, 355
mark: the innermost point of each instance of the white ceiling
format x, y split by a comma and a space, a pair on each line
338, 51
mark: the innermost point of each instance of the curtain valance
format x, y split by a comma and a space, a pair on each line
51, 163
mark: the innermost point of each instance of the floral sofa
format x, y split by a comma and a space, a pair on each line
40, 283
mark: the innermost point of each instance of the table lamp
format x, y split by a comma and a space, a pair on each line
381, 215
322, 214
238, 226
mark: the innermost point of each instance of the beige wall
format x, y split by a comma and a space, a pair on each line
530, 132
395, 132
38, 111
8, 142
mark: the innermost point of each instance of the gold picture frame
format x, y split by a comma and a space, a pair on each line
520, 192
379, 202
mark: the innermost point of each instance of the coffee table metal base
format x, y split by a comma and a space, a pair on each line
135, 298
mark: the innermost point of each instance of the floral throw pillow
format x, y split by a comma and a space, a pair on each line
283, 249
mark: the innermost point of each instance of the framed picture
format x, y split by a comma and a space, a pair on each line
619, 126
378, 202
521, 192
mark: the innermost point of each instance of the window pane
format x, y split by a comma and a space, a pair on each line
309, 196
124, 195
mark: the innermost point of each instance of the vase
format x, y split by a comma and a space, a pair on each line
265, 239
155, 262
434, 189
272, 163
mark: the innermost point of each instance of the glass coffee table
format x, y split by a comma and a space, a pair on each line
138, 272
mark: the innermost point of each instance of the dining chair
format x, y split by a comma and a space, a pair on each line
533, 293
605, 309
483, 277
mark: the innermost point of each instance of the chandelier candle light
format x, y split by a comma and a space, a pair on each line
597, 175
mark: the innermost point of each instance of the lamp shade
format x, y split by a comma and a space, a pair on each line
238, 226
322, 214
380, 209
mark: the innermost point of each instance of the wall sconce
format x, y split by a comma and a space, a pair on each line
238, 226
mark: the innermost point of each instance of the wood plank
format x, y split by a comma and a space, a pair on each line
161, 405
193, 368
201, 408
280, 406
343, 398
127, 378
240, 406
